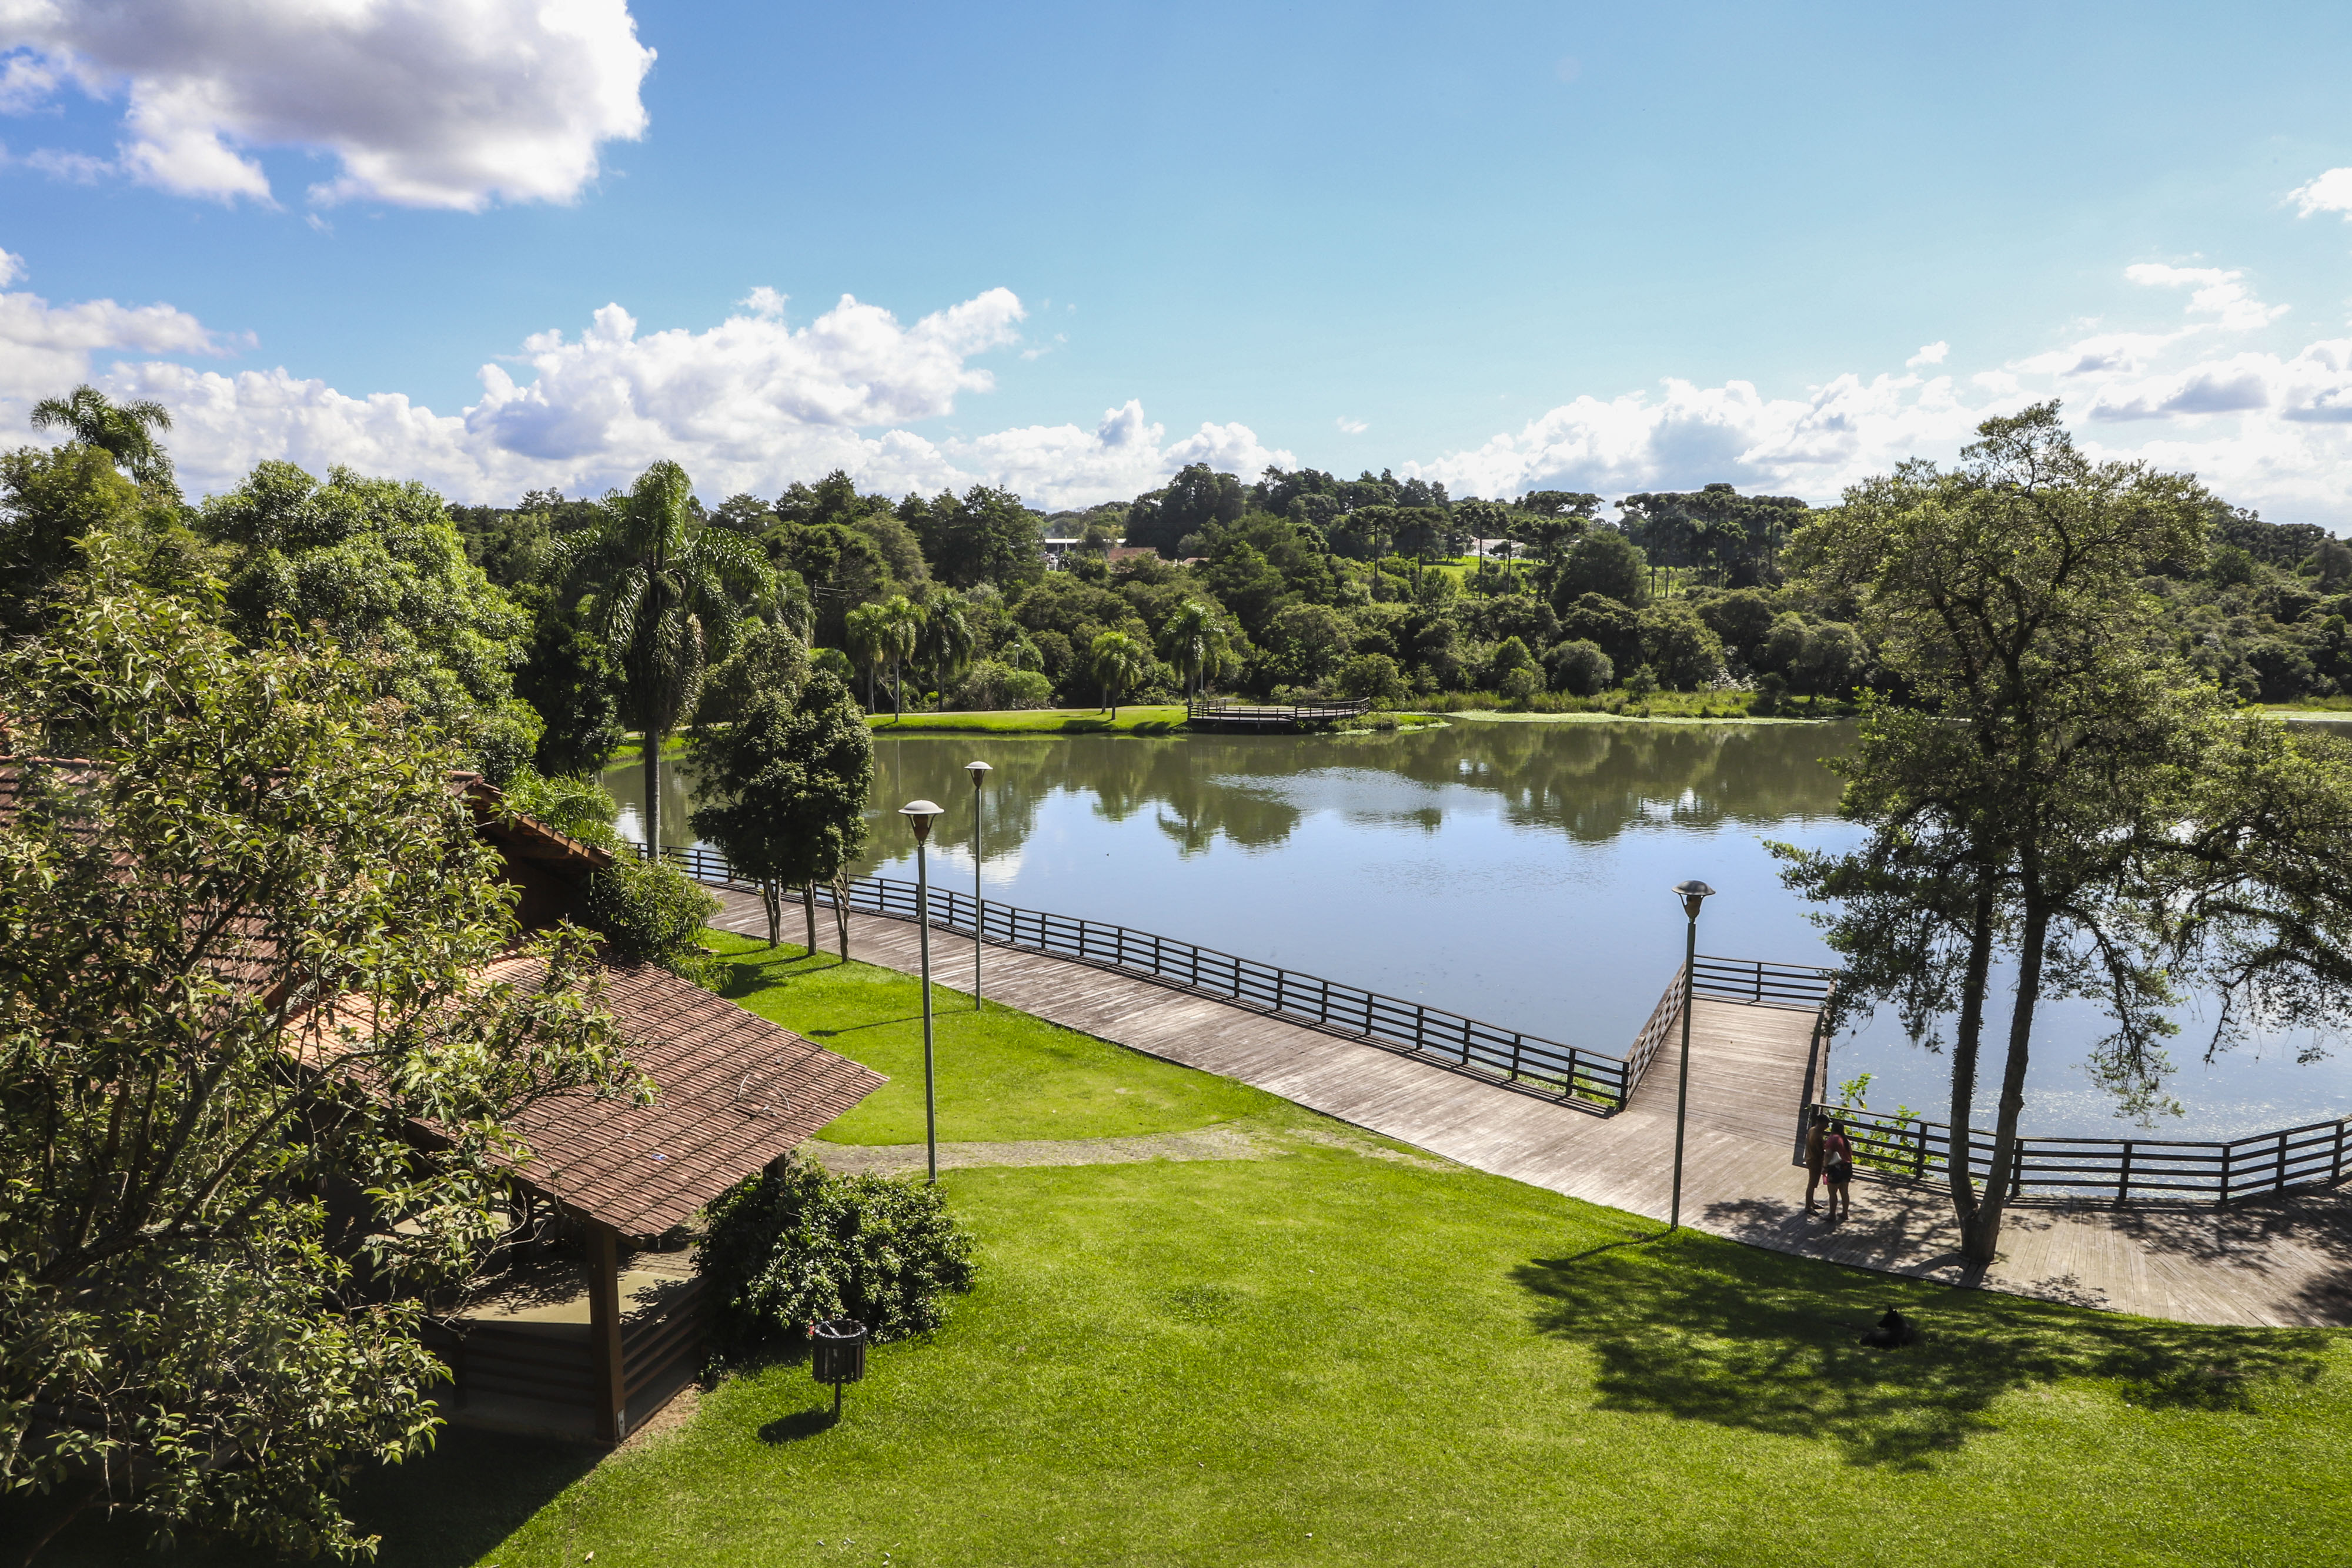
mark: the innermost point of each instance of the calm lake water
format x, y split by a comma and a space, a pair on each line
1517, 872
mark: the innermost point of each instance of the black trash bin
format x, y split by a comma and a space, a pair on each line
838, 1347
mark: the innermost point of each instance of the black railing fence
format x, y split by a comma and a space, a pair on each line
2054, 1170
1529, 1062
1205, 710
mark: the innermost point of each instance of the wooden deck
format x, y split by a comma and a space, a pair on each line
2278, 1261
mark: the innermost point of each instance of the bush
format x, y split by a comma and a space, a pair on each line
833, 663
991, 685
1580, 668
793, 1246
651, 914
1372, 676
1520, 683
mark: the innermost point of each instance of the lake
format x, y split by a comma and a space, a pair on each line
1515, 872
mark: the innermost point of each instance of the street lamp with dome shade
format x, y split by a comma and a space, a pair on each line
918, 815
980, 772
1693, 894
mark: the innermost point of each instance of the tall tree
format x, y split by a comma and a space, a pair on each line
865, 633
947, 643
123, 430
228, 992
1117, 661
2047, 730
1197, 639
785, 790
901, 625
669, 595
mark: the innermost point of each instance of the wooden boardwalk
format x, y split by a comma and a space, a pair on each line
2277, 1261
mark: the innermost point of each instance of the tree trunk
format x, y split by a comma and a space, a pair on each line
808, 908
1966, 1045
653, 793
1980, 1239
771, 900
840, 913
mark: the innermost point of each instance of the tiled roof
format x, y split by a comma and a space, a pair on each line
734, 1093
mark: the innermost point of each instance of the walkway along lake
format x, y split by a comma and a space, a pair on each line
1513, 871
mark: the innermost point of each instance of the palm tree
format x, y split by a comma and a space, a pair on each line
1196, 639
866, 630
902, 628
123, 430
667, 604
1119, 661
947, 643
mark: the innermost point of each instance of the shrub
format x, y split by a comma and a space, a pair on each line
651, 914
1520, 683
1643, 683
1580, 668
833, 663
993, 684
1373, 676
793, 1246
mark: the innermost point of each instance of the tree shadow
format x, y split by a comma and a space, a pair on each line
1707, 1331
445, 1509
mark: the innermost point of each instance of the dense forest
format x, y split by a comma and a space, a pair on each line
1295, 583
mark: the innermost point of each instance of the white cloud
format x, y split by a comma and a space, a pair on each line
755, 403
1350, 426
12, 267
1931, 354
427, 103
2217, 294
2331, 192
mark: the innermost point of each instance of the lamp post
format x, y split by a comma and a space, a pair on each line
918, 815
1693, 894
980, 772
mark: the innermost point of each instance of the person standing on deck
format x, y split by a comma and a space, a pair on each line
1816, 1128
1837, 1165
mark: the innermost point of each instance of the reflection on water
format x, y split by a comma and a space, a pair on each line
1517, 872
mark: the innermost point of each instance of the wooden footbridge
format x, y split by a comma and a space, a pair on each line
1206, 714
1601, 1128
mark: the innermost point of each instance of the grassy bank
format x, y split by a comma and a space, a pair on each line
1137, 720
1346, 1352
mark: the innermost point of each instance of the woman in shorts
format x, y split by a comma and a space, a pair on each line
1837, 1169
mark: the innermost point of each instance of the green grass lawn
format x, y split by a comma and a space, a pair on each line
1002, 1074
1134, 719
1340, 1355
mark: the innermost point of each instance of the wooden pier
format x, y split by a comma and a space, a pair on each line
1203, 714
2279, 1261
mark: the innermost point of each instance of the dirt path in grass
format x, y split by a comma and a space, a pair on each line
1208, 1143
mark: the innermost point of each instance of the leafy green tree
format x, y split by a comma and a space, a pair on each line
1678, 645
1197, 639
767, 659
784, 791
946, 643
1308, 642
379, 567
1580, 668
248, 942
1196, 497
125, 431
1118, 662
900, 624
54, 502
984, 536
1605, 562
867, 635
1373, 677
570, 684
2048, 729
669, 595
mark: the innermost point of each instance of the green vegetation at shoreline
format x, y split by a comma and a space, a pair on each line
1154, 719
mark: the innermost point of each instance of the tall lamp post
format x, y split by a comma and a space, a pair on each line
918, 815
1693, 894
980, 772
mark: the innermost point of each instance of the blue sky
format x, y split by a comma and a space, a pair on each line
1509, 246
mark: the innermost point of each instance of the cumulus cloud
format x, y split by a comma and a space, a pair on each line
759, 400
1930, 354
2216, 293
2331, 192
426, 103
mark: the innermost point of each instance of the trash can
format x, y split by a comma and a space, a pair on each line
838, 1355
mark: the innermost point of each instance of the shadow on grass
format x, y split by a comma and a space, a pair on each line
1707, 1331
441, 1509
800, 1425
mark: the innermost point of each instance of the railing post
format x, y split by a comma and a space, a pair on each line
1420, 1025
1919, 1159
2335, 1167
2282, 1162
1323, 1009
2123, 1192
2227, 1150
1516, 1041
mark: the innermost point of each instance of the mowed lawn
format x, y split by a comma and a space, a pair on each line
1347, 1353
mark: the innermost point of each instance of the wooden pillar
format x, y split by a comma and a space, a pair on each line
609, 1391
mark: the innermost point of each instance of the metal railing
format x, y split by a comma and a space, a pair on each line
1202, 710
1910, 1148
1528, 1062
